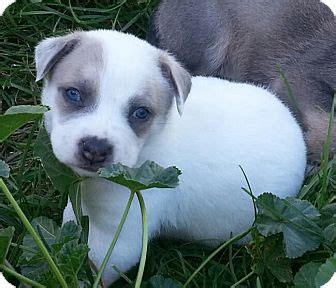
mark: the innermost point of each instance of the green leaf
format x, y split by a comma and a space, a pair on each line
4, 169
295, 218
326, 272
275, 259
68, 232
269, 256
328, 222
70, 260
26, 109
305, 277
64, 247
47, 229
329, 234
61, 176
17, 116
9, 217
6, 236
39, 271
328, 215
148, 175
158, 281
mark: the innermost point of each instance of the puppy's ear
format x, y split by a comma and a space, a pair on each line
49, 51
178, 78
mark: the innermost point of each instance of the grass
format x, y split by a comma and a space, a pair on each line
22, 26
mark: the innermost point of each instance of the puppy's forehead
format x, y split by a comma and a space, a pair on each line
129, 63
85, 62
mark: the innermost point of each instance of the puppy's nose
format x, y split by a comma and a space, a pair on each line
94, 150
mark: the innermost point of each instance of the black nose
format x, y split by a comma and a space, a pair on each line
94, 150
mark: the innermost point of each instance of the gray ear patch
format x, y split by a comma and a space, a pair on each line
178, 79
51, 51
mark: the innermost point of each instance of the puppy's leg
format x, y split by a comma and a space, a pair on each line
126, 252
105, 210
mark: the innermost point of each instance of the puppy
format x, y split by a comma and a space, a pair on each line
115, 98
245, 41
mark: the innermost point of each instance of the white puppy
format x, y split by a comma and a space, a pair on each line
113, 98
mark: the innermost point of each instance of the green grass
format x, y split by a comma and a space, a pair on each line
22, 26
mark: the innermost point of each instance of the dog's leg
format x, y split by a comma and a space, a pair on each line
104, 203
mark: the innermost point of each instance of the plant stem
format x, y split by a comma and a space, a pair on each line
213, 254
114, 241
33, 233
22, 278
243, 279
144, 240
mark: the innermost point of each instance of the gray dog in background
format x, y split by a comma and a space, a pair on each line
248, 40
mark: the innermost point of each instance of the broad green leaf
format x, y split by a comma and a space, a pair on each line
328, 223
53, 236
47, 229
60, 175
26, 109
68, 232
70, 260
148, 175
295, 218
158, 281
6, 236
9, 217
276, 261
17, 116
329, 235
328, 215
269, 256
39, 271
305, 277
326, 271
64, 247
4, 169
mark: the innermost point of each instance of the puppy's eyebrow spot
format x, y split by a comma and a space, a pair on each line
81, 69
67, 49
147, 101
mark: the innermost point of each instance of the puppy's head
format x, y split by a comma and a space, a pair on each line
109, 92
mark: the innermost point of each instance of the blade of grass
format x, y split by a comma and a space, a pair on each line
323, 197
213, 254
243, 279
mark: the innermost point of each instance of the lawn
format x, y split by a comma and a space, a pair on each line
264, 262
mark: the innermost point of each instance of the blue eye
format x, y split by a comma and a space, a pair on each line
141, 113
73, 95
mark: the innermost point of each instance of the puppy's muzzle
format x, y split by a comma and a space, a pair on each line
94, 153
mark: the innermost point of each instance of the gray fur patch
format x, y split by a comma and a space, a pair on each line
79, 69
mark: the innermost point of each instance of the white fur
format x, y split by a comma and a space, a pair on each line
223, 125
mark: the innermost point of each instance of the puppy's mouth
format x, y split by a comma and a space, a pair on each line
92, 167
86, 169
